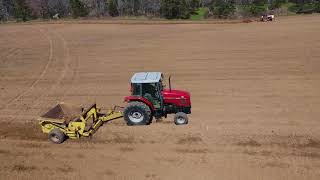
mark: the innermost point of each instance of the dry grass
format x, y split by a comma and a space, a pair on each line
249, 142
126, 149
276, 164
22, 130
189, 139
65, 169
23, 168
5, 152
34, 145
192, 151
312, 155
109, 172
311, 143
119, 139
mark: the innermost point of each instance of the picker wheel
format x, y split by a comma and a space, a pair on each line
57, 136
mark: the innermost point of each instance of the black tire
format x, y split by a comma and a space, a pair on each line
57, 136
150, 120
137, 113
180, 118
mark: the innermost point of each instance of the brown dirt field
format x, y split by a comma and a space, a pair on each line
255, 95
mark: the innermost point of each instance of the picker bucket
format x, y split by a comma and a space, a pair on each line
62, 112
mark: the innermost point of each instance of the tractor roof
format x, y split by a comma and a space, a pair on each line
146, 77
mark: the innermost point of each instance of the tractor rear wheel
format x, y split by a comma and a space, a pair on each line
180, 118
137, 113
57, 136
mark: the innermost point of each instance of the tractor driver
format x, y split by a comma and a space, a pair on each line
149, 91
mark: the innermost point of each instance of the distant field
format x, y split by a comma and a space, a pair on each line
254, 89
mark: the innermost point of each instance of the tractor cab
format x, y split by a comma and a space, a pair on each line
148, 86
149, 98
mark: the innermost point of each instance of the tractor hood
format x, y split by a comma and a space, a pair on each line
176, 97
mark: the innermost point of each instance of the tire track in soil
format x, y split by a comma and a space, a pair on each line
3, 59
74, 71
70, 66
35, 82
38, 101
66, 62
11, 52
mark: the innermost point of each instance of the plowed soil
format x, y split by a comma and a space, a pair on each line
255, 99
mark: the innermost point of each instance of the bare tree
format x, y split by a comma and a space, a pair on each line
151, 7
96, 7
6, 9
138, 7
44, 9
2, 11
60, 7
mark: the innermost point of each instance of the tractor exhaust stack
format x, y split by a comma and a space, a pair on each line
170, 83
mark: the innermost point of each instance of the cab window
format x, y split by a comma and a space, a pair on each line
136, 89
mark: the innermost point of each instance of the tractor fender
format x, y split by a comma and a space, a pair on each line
141, 99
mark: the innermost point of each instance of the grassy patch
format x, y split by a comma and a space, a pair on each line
287, 5
290, 7
200, 14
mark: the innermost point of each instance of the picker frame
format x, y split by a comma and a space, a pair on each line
80, 126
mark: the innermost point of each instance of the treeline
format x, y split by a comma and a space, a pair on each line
170, 9
245, 8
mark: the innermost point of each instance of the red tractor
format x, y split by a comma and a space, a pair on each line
149, 99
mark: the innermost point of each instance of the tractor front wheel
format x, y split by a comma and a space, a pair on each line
180, 118
137, 113
57, 136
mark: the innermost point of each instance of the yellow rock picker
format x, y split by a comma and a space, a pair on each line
65, 121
